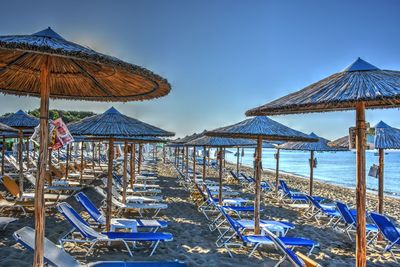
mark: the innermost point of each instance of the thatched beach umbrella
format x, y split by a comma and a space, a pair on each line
112, 125
183, 143
221, 143
320, 146
259, 128
5, 131
46, 65
386, 137
342, 142
21, 121
358, 87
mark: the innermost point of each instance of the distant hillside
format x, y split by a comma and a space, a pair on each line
66, 115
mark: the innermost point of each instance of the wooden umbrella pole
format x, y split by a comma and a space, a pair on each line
81, 180
109, 183
125, 181
3, 153
133, 161
278, 152
50, 158
27, 153
237, 161
361, 242
93, 155
21, 164
39, 190
258, 187
164, 153
67, 163
194, 164
224, 157
311, 172
99, 152
156, 153
220, 177
204, 168
187, 161
140, 158
381, 185
208, 163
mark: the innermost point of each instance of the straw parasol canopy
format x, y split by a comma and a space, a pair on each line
20, 120
260, 128
220, 142
342, 142
386, 137
340, 91
114, 124
359, 86
7, 129
320, 146
76, 71
46, 65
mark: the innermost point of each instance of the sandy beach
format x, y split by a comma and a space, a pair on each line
194, 242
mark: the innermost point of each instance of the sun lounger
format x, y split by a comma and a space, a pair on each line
91, 236
292, 195
350, 222
13, 189
320, 210
390, 232
4, 221
296, 259
55, 256
99, 217
257, 240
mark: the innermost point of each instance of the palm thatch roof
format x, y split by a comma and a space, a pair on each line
260, 126
75, 71
6, 130
386, 137
360, 82
321, 145
114, 124
183, 141
221, 142
20, 120
342, 142
131, 139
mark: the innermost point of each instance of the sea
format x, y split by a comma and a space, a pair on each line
338, 168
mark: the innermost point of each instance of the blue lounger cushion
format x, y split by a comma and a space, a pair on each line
139, 264
139, 236
288, 241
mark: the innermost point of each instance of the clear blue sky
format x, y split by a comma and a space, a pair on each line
222, 57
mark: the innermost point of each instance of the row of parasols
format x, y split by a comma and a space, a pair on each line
46, 65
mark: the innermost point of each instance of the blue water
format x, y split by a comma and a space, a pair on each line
336, 168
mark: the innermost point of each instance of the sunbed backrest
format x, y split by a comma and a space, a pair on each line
314, 202
53, 255
345, 212
291, 256
231, 222
89, 207
76, 220
386, 226
11, 186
